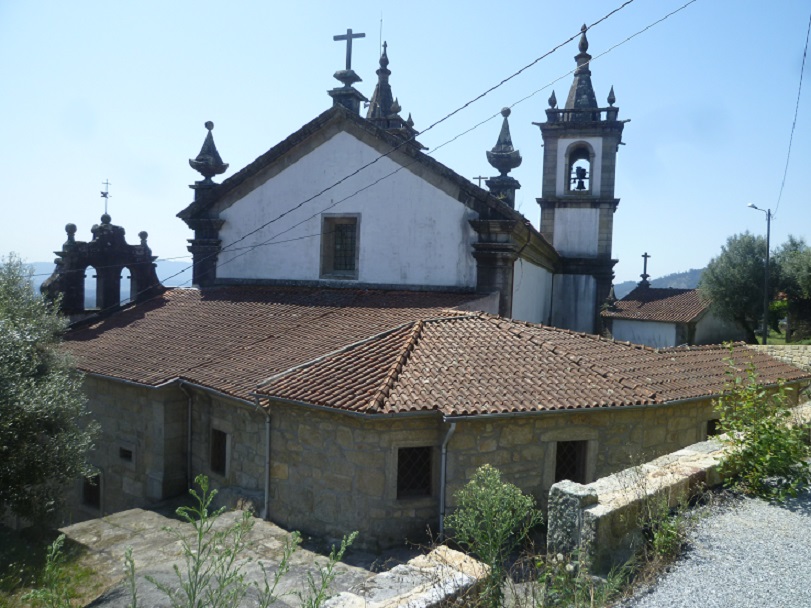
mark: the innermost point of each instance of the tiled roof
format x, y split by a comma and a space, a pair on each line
231, 338
480, 364
659, 304
385, 352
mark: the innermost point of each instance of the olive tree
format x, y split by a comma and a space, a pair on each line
44, 437
733, 281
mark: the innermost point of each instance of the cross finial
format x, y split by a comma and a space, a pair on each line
105, 193
479, 178
645, 275
349, 36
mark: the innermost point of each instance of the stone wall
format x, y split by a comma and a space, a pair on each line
523, 448
332, 473
602, 520
139, 454
795, 354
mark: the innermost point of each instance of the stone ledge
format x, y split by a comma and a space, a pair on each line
423, 582
601, 521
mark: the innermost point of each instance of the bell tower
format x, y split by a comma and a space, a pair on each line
577, 203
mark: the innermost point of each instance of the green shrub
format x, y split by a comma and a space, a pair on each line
492, 519
768, 452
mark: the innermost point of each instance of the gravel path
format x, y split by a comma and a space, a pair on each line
745, 554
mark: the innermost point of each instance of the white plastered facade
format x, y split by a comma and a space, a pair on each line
410, 232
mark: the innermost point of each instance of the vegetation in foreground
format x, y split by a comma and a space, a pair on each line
769, 449
43, 436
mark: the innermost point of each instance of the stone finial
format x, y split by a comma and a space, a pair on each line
143, 236
503, 156
208, 163
611, 97
553, 101
583, 45
581, 94
106, 219
71, 231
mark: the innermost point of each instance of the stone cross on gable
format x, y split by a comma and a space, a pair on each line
349, 36
480, 179
645, 274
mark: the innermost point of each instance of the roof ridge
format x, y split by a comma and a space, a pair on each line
394, 371
333, 353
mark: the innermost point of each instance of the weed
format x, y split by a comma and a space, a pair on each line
316, 592
768, 453
493, 518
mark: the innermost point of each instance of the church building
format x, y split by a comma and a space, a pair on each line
367, 327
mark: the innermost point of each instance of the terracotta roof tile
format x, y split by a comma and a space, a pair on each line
231, 338
391, 352
668, 305
478, 364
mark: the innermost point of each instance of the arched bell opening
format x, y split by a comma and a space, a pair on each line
90, 295
128, 286
579, 164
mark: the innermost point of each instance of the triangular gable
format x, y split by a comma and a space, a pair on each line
323, 128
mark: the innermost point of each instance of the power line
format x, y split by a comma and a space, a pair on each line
794, 123
231, 246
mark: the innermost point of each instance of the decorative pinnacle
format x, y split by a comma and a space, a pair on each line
503, 156
553, 101
611, 98
384, 58
583, 45
208, 163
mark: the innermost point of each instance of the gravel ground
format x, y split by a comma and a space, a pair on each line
747, 553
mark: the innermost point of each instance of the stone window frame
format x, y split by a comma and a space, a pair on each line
429, 498
550, 440
326, 268
226, 457
571, 149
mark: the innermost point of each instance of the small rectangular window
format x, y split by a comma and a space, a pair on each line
339, 247
570, 461
125, 454
414, 472
219, 451
91, 491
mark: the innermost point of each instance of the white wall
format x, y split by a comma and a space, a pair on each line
573, 302
649, 333
713, 330
411, 233
532, 291
576, 231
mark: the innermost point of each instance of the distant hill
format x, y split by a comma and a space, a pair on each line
680, 280
42, 270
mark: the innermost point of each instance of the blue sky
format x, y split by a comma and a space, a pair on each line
120, 91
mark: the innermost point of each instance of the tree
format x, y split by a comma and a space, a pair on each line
733, 281
43, 441
794, 261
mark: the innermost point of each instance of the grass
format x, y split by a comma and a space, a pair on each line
22, 565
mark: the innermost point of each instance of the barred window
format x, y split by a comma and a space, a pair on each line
570, 461
414, 472
339, 247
